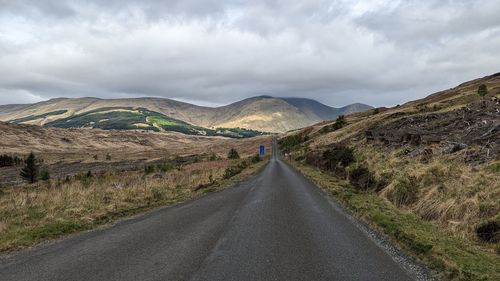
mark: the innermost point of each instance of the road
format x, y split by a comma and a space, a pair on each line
274, 226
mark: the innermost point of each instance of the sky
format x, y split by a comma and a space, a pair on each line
215, 52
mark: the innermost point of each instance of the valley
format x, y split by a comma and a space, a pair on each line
425, 173
246, 118
249, 140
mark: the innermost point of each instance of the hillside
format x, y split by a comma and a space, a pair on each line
263, 113
60, 145
425, 172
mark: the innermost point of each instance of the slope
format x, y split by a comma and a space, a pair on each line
261, 113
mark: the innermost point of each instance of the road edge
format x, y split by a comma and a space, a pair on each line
409, 263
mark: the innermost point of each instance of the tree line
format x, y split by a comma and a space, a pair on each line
8, 161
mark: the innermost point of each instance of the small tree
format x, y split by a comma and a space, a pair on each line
233, 154
339, 122
482, 90
30, 170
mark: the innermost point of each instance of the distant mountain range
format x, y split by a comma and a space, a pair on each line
247, 117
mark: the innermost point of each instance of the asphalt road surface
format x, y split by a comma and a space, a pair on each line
274, 226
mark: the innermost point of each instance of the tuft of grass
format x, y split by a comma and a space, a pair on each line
450, 193
452, 256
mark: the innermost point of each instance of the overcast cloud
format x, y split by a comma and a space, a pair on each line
218, 51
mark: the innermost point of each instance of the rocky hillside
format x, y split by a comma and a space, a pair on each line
437, 157
265, 114
427, 173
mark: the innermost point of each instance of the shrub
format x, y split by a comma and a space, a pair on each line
255, 158
148, 169
157, 194
313, 159
340, 155
164, 167
212, 156
482, 90
489, 232
362, 178
243, 165
108, 157
233, 154
339, 122
325, 129
383, 180
44, 174
30, 170
404, 192
290, 142
231, 172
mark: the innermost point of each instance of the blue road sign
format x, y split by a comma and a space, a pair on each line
262, 150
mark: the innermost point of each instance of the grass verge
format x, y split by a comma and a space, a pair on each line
452, 257
31, 214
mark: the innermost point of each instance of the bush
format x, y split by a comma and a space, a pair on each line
44, 174
362, 178
212, 156
489, 232
148, 169
313, 159
405, 191
340, 122
243, 165
231, 172
164, 167
255, 158
482, 90
290, 142
340, 155
233, 154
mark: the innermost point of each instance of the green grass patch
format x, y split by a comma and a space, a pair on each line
162, 121
127, 118
34, 117
453, 257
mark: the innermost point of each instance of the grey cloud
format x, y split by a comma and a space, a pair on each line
216, 52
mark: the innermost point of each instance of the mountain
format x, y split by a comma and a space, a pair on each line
262, 113
319, 111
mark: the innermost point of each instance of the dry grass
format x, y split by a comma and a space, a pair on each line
426, 196
32, 213
455, 195
80, 145
452, 257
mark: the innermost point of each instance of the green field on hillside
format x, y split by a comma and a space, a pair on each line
127, 118
34, 117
